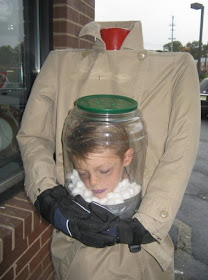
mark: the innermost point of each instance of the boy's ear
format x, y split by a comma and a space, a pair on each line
128, 157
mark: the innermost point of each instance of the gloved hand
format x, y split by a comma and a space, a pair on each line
73, 216
130, 232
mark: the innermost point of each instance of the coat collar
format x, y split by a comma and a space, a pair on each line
133, 41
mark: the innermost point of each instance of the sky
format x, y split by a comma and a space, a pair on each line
156, 17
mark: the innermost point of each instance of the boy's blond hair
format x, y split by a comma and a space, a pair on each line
91, 136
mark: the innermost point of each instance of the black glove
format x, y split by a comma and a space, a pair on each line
73, 216
131, 232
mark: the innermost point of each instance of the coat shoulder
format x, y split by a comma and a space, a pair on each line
185, 56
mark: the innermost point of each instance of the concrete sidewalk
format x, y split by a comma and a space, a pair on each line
190, 229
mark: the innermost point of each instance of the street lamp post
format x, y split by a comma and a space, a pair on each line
198, 6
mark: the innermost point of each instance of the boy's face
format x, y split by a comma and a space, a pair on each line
101, 172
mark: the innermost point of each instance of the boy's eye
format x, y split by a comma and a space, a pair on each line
105, 171
83, 174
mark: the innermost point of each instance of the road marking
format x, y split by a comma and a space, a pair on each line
184, 236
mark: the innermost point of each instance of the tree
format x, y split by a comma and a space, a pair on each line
9, 56
177, 46
11, 61
205, 50
193, 48
6, 56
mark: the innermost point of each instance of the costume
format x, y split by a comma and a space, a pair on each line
165, 85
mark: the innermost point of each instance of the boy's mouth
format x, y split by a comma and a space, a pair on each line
98, 191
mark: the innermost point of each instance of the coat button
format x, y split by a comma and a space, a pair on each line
141, 56
84, 54
163, 214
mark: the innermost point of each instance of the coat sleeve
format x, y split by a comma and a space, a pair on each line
167, 185
36, 136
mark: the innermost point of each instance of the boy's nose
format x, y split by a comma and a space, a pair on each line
93, 181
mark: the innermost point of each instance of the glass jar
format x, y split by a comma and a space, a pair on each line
104, 147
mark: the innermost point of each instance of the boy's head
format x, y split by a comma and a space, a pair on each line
99, 152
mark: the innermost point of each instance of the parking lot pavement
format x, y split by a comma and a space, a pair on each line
190, 229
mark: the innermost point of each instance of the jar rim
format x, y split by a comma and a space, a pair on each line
106, 104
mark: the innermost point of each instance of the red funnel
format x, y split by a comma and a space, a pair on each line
113, 37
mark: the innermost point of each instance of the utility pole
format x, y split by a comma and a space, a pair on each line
172, 30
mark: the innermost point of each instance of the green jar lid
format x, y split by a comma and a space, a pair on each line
106, 104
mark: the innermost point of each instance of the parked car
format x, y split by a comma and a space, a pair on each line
204, 97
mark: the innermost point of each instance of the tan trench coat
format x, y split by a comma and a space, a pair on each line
167, 90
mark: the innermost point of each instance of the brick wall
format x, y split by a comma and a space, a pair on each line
24, 242
68, 18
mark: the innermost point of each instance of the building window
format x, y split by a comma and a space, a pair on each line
25, 40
